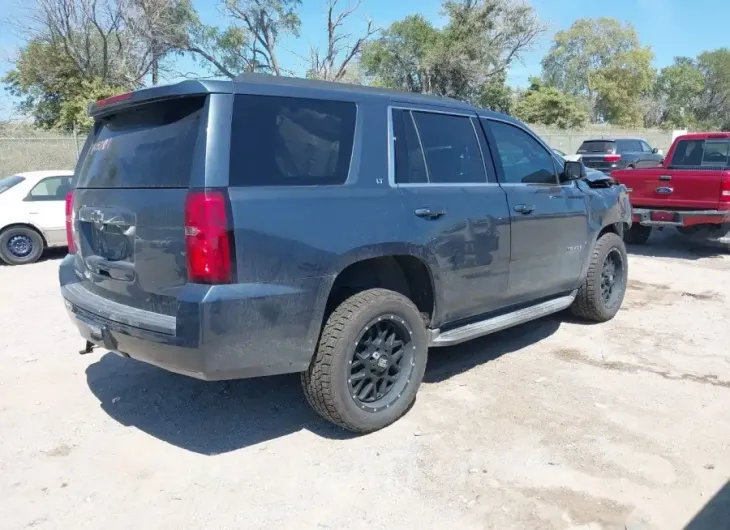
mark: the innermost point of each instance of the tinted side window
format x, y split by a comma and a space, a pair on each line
646, 148
280, 141
451, 148
628, 146
51, 189
688, 153
524, 159
410, 164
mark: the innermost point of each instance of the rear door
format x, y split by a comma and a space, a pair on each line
457, 213
129, 201
45, 205
549, 220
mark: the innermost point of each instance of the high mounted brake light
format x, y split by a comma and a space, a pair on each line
113, 99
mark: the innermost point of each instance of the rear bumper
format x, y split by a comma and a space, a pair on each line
662, 217
220, 332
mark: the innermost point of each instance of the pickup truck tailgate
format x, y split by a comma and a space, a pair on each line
671, 188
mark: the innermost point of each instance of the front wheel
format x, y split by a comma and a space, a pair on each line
369, 363
602, 293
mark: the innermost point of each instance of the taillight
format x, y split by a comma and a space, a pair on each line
612, 158
725, 188
70, 222
208, 241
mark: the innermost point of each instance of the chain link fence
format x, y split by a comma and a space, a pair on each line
31, 153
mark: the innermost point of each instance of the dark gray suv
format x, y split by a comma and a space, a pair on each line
622, 153
232, 229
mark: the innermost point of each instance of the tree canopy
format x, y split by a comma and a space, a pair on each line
546, 105
77, 51
467, 59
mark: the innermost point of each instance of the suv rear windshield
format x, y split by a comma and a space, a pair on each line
8, 182
150, 146
282, 141
597, 146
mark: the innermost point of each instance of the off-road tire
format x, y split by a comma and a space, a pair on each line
589, 303
637, 234
21, 231
325, 382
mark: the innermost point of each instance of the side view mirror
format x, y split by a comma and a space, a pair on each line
655, 151
572, 170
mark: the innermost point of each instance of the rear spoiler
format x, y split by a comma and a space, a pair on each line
146, 95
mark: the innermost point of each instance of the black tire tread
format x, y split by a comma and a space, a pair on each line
318, 381
584, 306
4, 258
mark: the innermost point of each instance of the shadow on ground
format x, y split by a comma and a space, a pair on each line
669, 244
715, 515
218, 417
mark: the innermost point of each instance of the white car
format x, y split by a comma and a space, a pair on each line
32, 214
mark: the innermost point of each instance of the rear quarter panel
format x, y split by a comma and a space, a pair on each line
298, 239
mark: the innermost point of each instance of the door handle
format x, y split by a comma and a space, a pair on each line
428, 213
524, 209
665, 177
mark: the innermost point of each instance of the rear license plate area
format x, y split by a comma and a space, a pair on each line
664, 217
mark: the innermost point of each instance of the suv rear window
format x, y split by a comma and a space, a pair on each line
150, 146
8, 182
282, 141
597, 146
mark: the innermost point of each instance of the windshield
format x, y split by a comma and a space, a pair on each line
8, 182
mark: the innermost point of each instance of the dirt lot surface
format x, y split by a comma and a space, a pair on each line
555, 425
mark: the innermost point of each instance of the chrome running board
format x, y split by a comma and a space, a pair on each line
498, 323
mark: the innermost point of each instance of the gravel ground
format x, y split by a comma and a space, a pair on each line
555, 425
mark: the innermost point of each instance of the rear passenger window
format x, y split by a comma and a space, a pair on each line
451, 148
524, 159
410, 164
280, 141
51, 189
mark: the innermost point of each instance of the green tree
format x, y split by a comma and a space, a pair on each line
51, 89
680, 87
467, 59
546, 105
403, 56
496, 95
621, 84
589, 58
714, 107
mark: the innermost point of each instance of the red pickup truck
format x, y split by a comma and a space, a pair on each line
690, 190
